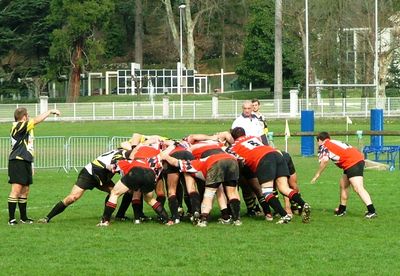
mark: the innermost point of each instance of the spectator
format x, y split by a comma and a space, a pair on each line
261, 120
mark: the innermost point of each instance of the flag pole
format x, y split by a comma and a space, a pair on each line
287, 135
348, 122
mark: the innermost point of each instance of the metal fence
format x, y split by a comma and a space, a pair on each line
64, 153
224, 109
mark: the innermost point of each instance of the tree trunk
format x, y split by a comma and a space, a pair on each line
75, 78
223, 57
278, 51
139, 32
190, 24
171, 23
385, 59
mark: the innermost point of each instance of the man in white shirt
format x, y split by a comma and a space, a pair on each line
251, 125
248, 121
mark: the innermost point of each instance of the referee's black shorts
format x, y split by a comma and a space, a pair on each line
20, 172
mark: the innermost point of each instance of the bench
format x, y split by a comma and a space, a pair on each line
384, 154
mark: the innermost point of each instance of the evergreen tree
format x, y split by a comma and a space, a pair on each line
24, 41
257, 65
76, 42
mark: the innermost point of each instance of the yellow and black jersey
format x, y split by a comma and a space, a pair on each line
106, 159
22, 141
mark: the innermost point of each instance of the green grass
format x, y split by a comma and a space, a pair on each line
72, 244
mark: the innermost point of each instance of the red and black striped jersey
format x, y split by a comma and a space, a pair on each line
199, 167
342, 154
251, 150
200, 149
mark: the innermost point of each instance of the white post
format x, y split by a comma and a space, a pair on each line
181, 7
307, 49
294, 98
53, 86
165, 107
214, 106
89, 84
44, 104
376, 65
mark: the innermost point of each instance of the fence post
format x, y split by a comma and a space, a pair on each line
165, 107
294, 98
44, 104
214, 105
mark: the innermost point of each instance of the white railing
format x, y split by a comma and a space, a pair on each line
60, 152
227, 109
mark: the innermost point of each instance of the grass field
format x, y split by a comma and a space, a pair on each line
72, 245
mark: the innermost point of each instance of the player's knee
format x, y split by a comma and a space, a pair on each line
209, 193
71, 199
267, 193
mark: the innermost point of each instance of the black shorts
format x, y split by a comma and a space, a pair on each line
355, 170
19, 172
289, 162
183, 155
86, 181
271, 166
224, 171
246, 172
139, 178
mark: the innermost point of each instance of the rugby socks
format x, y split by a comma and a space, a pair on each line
173, 206
125, 202
204, 217
234, 205
250, 202
57, 209
188, 203
106, 199
108, 210
225, 214
161, 199
295, 196
162, 214
12, 205
264, 205
179, 194
137, 207
22, 201
195, 202
273, 201
341, 209
371, 208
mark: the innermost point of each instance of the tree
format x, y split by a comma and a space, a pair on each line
75, 41
118, 32
24, 42
192, 14
139, 32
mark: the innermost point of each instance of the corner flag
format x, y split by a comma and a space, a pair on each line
348, 121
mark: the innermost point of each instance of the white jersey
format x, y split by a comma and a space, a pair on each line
251, 125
